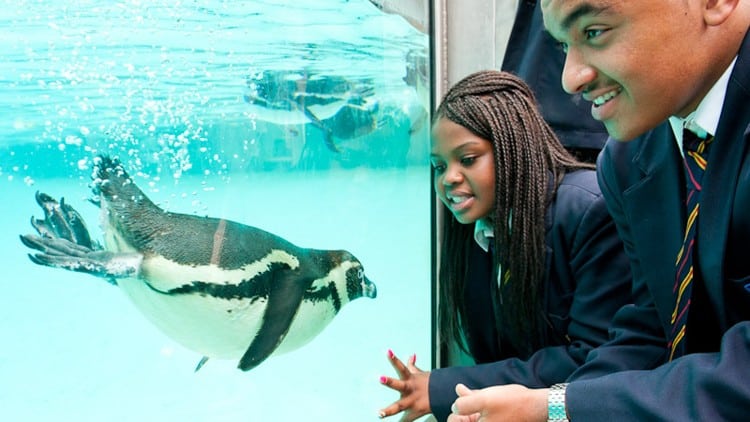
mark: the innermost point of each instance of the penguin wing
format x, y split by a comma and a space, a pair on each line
284, 298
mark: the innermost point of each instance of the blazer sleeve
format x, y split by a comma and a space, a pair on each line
695, 387
589, 248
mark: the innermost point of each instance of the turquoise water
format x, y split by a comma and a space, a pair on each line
161, 85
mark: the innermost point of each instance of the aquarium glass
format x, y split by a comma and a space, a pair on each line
307, 119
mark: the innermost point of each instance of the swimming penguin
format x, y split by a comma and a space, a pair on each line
340, 108
223, 289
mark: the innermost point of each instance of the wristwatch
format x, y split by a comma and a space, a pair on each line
556, 404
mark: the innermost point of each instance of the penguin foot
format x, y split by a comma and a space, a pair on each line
202, 362
61, 220
64, 242
61, 253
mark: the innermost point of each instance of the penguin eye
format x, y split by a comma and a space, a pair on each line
361, 274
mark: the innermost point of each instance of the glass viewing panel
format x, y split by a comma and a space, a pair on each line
306, 119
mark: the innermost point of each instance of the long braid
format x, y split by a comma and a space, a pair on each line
529, 160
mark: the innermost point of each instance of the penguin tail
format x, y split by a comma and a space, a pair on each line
110, 181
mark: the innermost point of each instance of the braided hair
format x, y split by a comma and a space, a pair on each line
529, 165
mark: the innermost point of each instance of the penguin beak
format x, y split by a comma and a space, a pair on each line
369, 289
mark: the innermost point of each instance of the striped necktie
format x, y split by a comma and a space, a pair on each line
695, 159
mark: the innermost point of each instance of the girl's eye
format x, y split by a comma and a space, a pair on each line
439, 168
467, 161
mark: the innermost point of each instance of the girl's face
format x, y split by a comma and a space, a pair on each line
464, 171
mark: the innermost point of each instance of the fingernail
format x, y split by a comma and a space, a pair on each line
381, 414
390, 353
413, 359
383, 379
454, 409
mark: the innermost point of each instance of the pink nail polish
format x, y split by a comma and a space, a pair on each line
383, 379
390, 354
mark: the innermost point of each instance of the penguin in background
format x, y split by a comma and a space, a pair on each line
218, 287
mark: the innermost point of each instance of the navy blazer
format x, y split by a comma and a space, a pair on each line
587, 281
642, 181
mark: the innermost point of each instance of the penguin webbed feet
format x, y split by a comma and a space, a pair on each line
200, 364
62, 253
61, 221
63, 241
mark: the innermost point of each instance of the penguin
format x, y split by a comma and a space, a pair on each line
223, 289
338, 107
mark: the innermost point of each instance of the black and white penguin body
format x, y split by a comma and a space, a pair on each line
223, 289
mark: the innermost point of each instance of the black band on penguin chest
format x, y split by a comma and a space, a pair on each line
254, 289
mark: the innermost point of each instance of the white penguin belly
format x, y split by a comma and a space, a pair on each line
212, 326
310, 320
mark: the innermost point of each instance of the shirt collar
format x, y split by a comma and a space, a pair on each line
483, 231
704, 120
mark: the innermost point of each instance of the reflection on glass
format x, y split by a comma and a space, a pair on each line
305, 119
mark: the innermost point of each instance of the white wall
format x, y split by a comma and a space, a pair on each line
470, 35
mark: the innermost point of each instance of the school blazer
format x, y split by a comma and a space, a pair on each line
641, 181
587, 279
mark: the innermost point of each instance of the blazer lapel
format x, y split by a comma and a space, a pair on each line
656, 209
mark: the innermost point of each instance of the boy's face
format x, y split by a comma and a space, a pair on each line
637, 61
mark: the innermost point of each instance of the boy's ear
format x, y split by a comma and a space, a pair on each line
716, 12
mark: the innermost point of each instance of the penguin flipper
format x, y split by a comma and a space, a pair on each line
284, 298
327, 132
330, 143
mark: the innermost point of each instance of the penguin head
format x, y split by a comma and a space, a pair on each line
351, 276
357, 284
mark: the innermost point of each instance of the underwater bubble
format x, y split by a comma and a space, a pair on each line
73, 140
